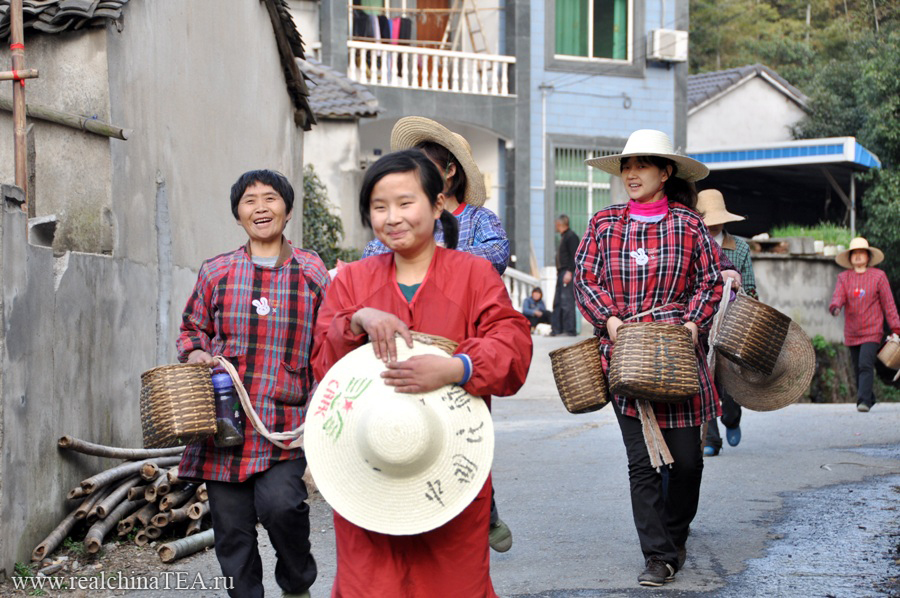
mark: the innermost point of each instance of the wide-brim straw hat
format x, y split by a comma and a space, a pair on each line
876, 256
787, 383
649, 142
711, 205
395, 463
410, 131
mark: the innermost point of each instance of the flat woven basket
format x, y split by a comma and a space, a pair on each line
177, 405
654, 361
752, 334
890, 355
579, 376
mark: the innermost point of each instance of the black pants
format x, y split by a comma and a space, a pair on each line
276, 498
863, 357
663, 522
564, 306
731, 418
544, 318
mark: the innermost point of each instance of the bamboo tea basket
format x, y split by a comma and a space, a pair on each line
579, 378
654, 361
177, 405
890, 355
752, 334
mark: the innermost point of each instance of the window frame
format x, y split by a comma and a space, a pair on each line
633, 67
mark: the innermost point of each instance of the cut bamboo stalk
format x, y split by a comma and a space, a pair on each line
126, 525
175, 499
90, 502
201, 493
161, 519
172, 476
181, 513
156, 488
153, 467
147, 511
136, 492
93, 541
123, 471
198, 510
172, 551
141, 538
152, 532
195, 526
76, 493
75, 121
54, 538
105, 506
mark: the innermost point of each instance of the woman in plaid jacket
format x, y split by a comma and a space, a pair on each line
654, 253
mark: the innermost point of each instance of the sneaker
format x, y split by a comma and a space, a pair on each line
656, 573
710, 451
500, 536
733, 435
862, 407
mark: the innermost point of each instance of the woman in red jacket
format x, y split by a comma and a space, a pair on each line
422, 287
865, 294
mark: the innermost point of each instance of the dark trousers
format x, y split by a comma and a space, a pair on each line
663, 521
563, 321
863, 357
544, 318
731, 418
276, 498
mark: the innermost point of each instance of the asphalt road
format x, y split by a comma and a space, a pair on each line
806, 505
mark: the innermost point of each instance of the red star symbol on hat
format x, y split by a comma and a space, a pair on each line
348, 405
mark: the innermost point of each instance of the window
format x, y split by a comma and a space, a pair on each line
579, 189
593, 29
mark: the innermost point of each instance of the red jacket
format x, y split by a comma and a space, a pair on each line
867, 300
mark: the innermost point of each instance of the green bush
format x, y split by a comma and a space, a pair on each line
323, 231
830, 233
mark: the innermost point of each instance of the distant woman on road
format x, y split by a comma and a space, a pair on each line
654, 253
865, 295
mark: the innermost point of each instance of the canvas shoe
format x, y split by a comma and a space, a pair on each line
862, 407
500, 536
656, 573
733, 435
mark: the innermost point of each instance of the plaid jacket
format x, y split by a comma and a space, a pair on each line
480, 233
262, 320
738, 252
624, 267
867, 300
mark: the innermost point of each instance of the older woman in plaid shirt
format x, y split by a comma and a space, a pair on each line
654, 253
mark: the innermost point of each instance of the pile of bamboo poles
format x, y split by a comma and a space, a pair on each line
142, 495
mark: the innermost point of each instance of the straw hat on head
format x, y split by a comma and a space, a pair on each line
410, 131
787, 383
648, 142
390, 462
711, 205
876, 256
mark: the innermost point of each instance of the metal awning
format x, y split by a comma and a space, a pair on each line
793, 182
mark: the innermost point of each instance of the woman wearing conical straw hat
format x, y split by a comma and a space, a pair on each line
653, 260
863, 292
480, 231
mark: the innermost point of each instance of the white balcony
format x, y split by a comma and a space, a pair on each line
429, 69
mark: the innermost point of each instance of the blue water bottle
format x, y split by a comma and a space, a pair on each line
229, 415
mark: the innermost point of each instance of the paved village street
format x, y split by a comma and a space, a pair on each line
806, 505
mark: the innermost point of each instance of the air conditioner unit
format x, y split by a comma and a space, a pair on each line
667, 45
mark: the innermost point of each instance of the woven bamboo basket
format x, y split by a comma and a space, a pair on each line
445, 344
752, 334
579, 376
177, 405
890, 355
654, 361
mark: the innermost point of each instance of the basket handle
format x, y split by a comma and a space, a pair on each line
294, 438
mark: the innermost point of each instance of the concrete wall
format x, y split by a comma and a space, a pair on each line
72, 168
79, 329
754, 112
801, 288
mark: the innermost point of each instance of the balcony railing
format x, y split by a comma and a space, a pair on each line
432, 70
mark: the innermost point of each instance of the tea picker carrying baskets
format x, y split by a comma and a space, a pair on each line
863, 292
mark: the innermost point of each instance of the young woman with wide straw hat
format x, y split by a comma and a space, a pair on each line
863, 292
480, 231
420, 286
654, 253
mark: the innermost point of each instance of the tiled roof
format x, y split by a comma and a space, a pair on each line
53, 16
706, 86
332, 95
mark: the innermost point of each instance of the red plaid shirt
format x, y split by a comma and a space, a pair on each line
867, 300
624, 267
262, 320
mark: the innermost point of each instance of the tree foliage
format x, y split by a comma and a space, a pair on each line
322, 229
